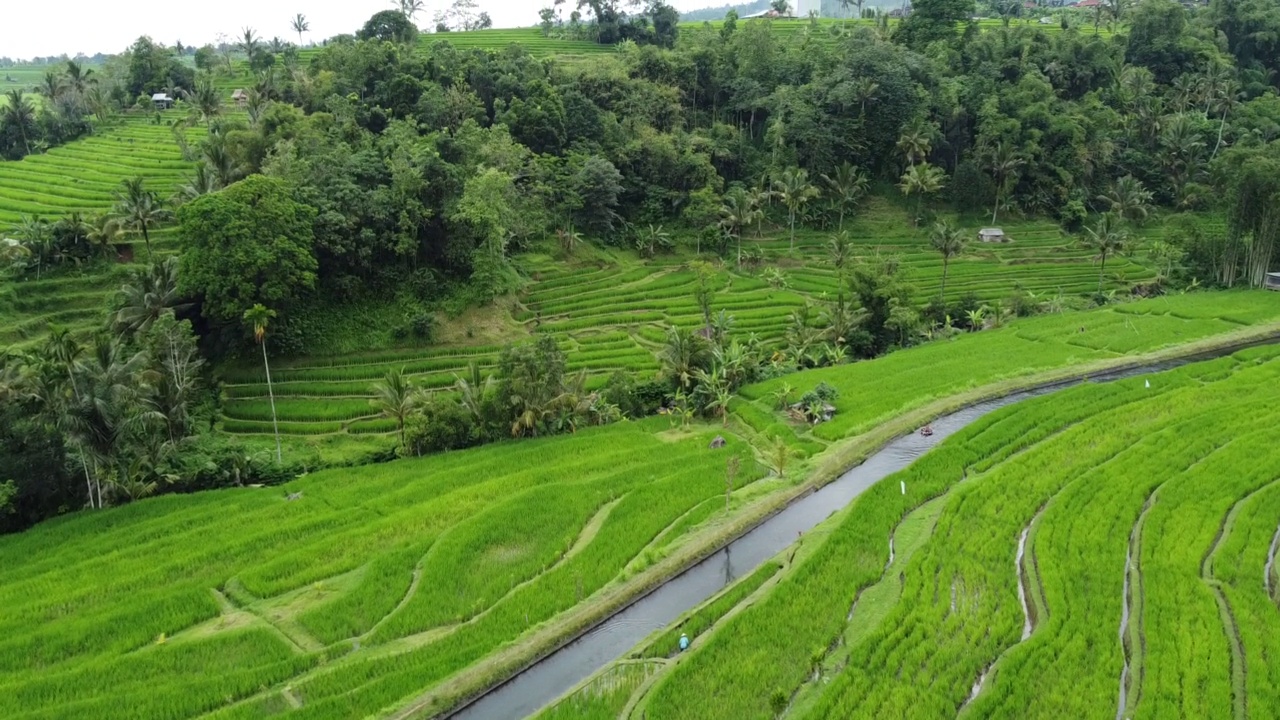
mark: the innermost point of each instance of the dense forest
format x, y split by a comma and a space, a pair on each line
382, 163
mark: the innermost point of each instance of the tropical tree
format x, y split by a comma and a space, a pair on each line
1107, 238
147, 296
206, 101
651, 239
200, 182
796, 191
104, 231
949, 242
737, 211
78, 78
847, 186
38, 237
922, 180
777, 456
683, 354
51, 85
1128, 199
395, 397
409, 8
1003, 163
259, 318
914, 144
568, 239
300, 25
18, 112
250, 42
139, 209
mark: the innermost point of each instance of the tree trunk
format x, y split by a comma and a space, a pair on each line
942, 294
841, 217
87, 480
275, 425
793, 231
1101, 271
996, 208
146, 237
1221, 126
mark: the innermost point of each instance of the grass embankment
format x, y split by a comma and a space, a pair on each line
1091, 457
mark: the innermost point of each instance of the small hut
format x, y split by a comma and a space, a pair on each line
1272, 281
240, 97
161, 101
992, 235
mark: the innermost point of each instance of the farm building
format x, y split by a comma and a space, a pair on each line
161, 101
240, 97
1273, 281
992, 235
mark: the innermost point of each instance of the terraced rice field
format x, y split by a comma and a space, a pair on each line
610, 314
370, 587
1105, 551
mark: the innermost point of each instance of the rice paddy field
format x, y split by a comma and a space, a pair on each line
609, 311
1104, 551
373, 591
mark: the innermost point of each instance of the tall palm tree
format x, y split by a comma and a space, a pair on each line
259, 317
949, 242
300, 25
409, 8
395, 397
1108, 238
847, 186
35, 232
737, 211
1128, 199
921, 180
206, 101
110, 404
1003, 162
139, 209
147, 296
250, 42
18, 112
78, 78
795, 190
104, 231
200, 182
683, 354
914, 144
51, 85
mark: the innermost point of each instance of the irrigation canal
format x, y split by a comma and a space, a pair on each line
547, 679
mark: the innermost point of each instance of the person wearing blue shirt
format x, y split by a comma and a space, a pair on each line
684, 642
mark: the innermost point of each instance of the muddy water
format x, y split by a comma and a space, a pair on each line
549, 678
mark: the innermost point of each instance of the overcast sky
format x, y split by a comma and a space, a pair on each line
39, 28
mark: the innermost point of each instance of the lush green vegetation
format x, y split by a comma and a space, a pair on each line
1178, 455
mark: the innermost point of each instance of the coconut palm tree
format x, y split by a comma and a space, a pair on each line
18, 112
1128, 199
1108, 238
250, 42
139, 209
104, 231
259, 318
949, 242
737, 211
300, 25
78, 78
914, 144
147, 296
200, 182
684, 353
206, 101
109, 407
394, 396
847, 186
1003, 163
921, 180
796, 191
51, 85
36, 234
409, 8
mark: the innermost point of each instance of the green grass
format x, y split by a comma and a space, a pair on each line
1088, 457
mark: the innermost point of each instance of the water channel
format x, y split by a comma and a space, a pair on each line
549, 678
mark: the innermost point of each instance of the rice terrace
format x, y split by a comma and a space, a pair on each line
795, 359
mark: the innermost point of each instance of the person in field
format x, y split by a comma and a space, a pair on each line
684, 642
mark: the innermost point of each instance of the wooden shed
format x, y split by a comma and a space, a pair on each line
1273, 281
161, 101
240, 97
992, 235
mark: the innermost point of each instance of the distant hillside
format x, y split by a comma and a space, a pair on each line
718, 13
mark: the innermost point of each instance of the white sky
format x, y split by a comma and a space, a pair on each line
31, 28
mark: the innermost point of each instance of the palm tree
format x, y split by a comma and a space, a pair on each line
569, 239
78, 78
250, 42
921, 180
684, 353
737, 211
650, 239
914, 144
139, 209
300, 25
1107, 238
110, 404
51, 85
865, 89
847, 186
1128, 199
259, 317
148, 296
206, 101
948, 241
409, 8
104, 231
35, 233
200, 182
1003, 164
395, 397
18, 112
795, 190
